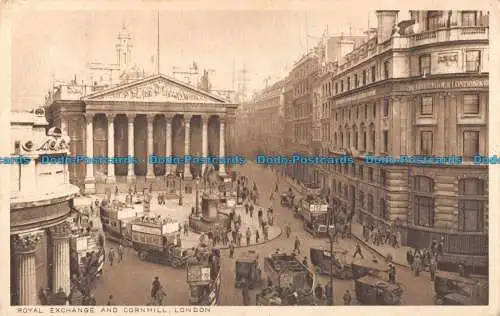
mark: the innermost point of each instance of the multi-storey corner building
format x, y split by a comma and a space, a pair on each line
417, 87
41, 201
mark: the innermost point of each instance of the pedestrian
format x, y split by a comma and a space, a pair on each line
276, 189
409, 258
156, 286
297, 244
92, 301
121, 250
248, 235
417, 263
111, 256
240, 237
347, 298
328, 294
440, 247
390, 273
288, 230
304, 262
231, 250
433, 268
257, 235
251, 210
358, 251
186, 228
110, 300
245, 292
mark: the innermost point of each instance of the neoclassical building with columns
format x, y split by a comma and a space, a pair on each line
157, 115
41, 201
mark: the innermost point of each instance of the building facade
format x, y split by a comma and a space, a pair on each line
417, 88
139, 116
40, 207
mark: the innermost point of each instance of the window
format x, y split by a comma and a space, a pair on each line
348, 83
386, 69
385, 137
341, 85
434, 19
471, 104
364, 141
356, 136
361, 199
383, 178
339, 188
471, 205
357, 113
424, 202
384, 211
364, 77
369, 204
370, 174
352, 169
366, 111
386, 107
348, 136
471, 143
336, 87
356, 82
473, 61
424, 63
426, 105
469, 18
426, 143
373, 73
361, 172
341, 140
374, 110
372, 148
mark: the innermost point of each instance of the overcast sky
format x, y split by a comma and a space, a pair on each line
267, 43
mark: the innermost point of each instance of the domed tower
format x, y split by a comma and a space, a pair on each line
124, 48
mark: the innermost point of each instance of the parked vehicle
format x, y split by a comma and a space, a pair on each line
325, 263
372, 290
293, 279
453, 289
247, 270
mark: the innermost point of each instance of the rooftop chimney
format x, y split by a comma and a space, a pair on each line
386, 21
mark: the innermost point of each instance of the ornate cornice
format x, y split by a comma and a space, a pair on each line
27, 243
62, 230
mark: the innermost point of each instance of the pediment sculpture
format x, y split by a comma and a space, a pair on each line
158, 90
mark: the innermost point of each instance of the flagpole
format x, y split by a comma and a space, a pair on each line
158, 42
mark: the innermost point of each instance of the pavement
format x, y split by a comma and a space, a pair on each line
130, 281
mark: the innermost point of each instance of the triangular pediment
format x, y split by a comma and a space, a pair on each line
158, 88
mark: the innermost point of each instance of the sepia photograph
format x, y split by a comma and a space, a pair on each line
189, 158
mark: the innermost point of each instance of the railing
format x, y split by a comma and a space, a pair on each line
450, 34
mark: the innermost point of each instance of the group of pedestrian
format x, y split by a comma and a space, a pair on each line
382, 236
425, 259
116, 254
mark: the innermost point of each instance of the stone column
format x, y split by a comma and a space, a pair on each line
187, 144
222, 145
168, 139
89, 142
61, 258
64, 126
204, 139
442, 112
111, 146
150, 170
131, 151
25, 246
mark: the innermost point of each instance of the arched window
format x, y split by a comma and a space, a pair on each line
341, 140
471, 202
361, 199
335, 140
424, 201
369, 204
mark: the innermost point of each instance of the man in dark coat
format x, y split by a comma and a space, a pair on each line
156, 287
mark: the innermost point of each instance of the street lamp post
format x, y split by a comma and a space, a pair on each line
180, 188
197, 197
331, 233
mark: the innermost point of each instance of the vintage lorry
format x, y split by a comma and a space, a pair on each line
325, 264
247, 270
294, 280
372, 290
203, 276
117, 223
157, 240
